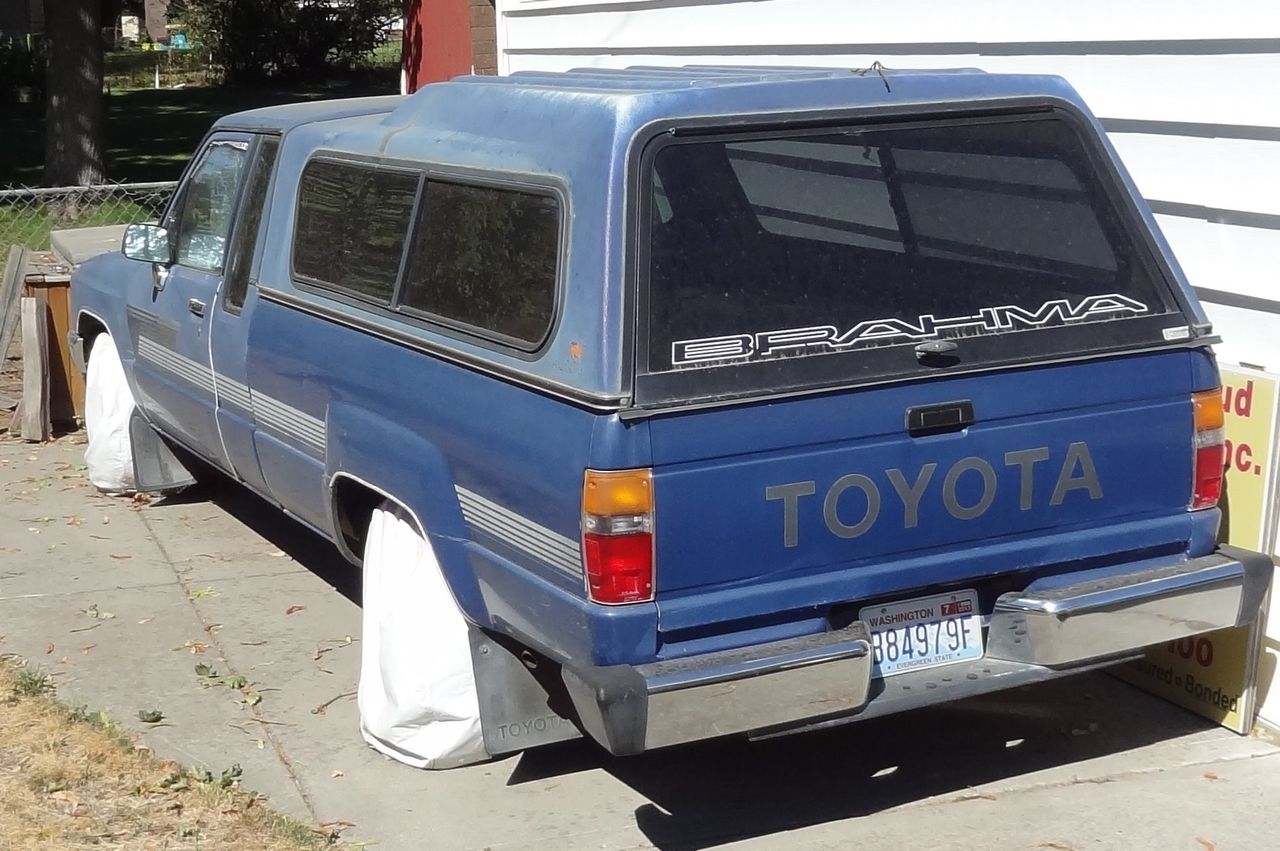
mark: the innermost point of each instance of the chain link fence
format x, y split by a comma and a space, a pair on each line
27, 215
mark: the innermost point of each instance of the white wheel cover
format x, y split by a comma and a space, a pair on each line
108, 404
417, 693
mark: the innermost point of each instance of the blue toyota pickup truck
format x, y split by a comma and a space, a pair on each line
661, 404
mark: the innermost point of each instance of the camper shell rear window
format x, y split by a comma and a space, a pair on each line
782, 260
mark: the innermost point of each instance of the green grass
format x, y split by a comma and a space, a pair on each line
150, 134
31, 682
136, 69
30, 225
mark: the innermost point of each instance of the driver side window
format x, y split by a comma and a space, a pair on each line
203, 220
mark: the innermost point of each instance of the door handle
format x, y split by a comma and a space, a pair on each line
196, 306
945, 417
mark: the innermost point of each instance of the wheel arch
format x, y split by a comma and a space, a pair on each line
352, 501
88, 326
372, 458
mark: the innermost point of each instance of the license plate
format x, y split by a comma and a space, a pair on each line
926, 632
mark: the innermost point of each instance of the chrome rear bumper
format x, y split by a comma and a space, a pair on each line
825, 679
1072, 624
632, 709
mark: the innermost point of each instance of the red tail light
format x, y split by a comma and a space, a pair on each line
617, 536
619, 567
1210, 454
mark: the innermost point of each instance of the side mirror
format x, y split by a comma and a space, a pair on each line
148, 243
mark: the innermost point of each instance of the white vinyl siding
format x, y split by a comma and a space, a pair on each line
1188, 89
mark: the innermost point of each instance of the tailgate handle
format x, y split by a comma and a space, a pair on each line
941, 418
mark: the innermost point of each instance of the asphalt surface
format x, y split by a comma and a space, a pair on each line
121, 601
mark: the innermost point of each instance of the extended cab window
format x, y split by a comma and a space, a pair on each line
485, 258
352, 223
797, 260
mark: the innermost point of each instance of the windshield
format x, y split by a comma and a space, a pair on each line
785, 261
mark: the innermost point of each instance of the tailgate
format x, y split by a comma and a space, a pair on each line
798, 487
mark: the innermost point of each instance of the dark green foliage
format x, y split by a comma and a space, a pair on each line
22, 69
251, 40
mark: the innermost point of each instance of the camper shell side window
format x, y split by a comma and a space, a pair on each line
477, 256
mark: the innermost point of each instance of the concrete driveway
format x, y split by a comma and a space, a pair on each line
121, 600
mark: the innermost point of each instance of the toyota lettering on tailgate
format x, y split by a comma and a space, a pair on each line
1076, 473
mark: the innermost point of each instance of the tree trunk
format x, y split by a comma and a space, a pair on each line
73, 107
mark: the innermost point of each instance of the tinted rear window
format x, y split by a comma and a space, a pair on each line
792, 260
351, 228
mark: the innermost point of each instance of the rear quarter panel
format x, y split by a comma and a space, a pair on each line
419, 428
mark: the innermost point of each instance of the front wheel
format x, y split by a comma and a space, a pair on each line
417, 692
108, 406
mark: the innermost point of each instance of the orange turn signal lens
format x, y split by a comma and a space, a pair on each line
1208, 409
616, 492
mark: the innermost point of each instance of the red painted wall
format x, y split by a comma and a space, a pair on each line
437, 41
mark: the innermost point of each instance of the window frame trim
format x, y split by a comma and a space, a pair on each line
548, 185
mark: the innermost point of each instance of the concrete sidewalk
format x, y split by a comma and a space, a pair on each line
216, 577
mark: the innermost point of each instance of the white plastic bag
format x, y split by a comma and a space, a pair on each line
108, 404
417, 693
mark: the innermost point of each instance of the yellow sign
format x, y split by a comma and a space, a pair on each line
1249, 401
1213, 674
1208, 674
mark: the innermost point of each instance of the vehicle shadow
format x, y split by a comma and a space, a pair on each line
292, 538
708, 794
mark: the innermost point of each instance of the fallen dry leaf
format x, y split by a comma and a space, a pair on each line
1209, 775
145, 621
105, 520
48, 648
337, 772
332, 830
293, 609
87, 649
71, 804
74, 521
119, 555
1208, 845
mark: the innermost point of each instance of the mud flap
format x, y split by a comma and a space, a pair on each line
155, 467
523, 702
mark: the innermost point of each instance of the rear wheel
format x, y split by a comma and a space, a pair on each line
417, 692
108, 406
